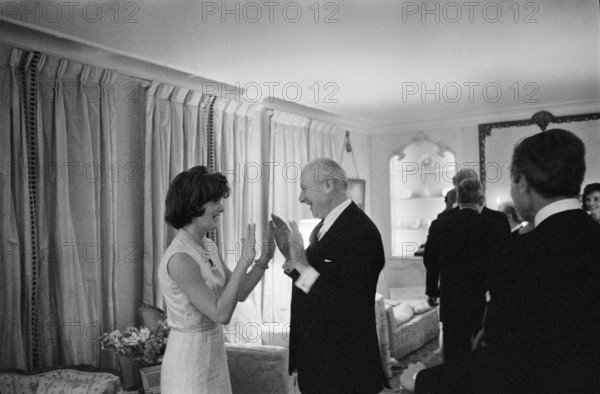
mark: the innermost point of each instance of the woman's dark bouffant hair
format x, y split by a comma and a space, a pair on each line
190, 191
589, 189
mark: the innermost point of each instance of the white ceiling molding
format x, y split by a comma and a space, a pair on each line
33, 38
376, 70
522, 112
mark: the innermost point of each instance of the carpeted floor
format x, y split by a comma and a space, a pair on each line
427, 354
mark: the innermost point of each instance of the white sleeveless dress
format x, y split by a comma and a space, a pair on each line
195, 359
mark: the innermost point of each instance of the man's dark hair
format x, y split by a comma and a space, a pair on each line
552, 162
450, 198
469, 191
190, 191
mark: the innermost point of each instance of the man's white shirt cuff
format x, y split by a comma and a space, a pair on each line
307, 279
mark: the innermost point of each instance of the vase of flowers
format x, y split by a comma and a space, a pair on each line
139, 344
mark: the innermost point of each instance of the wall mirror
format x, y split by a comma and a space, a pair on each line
497, 141
420, 176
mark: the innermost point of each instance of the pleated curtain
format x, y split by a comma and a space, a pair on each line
60, 199
240, 157
294, 140
178, 124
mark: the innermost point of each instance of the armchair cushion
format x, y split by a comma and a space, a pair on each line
414, 296
420, 306
401, 313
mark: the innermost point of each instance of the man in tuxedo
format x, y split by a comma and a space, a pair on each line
431, 255
463, 244
543, 318
333, 337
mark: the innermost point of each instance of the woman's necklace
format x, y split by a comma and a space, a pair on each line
199, 247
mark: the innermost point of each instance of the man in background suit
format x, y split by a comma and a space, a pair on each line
463, 244
431, 259
543, 317
333, 337
469, 173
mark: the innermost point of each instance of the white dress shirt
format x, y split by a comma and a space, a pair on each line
309, 275
559, 206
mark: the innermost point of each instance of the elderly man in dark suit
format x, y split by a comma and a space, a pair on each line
463, 244
543, 317
333, 337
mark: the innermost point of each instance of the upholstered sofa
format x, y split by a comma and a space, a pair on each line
68, 379
411, 321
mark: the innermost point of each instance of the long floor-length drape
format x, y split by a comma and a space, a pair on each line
14, 216
176, 139
240, 158
62, 139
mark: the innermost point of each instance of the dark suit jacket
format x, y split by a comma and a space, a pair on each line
489, 213
515, 233
461, 248
333, 338
439, 227
543, 319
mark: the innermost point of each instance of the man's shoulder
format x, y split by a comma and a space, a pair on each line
442, 223
578, 223
493, 214
353, 217
448, 213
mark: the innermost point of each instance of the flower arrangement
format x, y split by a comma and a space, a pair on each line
138, 343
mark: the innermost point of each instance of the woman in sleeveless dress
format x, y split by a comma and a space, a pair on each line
200, 292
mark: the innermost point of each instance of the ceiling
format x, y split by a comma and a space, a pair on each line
366, 62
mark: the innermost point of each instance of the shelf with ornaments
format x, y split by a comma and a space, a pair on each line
420, 176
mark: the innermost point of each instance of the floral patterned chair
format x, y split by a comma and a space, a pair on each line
66, 379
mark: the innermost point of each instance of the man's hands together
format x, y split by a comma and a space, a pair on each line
290, 243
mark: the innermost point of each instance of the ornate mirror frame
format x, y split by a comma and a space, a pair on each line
541, 118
